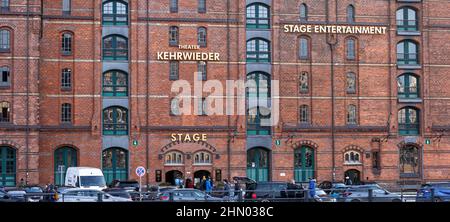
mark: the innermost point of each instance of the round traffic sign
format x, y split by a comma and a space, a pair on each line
140, 171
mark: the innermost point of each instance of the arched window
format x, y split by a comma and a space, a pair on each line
304, 114
115, 164
7, 166
304, 82
5, 112
5, 40
258, 50
115, 47
115, 12
408, 86
66, 7
201, 37
407, 19
202, 158
115, 121
66, 113
407, 53
303, 12
258, 96
66, 78
66, 43
351, 115
304, 164
304, 48
115, 83
350, 14
173, 36
65, 157
351, 82
408, 121
351, 48
352, 157
258, 16
409, 161
174, 158
5, 77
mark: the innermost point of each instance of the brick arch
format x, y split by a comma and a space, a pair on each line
353, 147
308, 143
172, 146
10, 143
402, 144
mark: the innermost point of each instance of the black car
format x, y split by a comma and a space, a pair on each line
119, 192
131, 186
271, 191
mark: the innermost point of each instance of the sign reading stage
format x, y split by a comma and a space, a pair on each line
336, 29
188, 137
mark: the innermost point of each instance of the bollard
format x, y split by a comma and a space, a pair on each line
100, 197
306, 195
432, 195
240, 199
370, 195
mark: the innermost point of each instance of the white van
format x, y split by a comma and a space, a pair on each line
85, 178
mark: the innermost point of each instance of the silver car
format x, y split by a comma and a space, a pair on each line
88, 195
188, 195
361, 194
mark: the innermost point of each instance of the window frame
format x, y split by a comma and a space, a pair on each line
5, 72
405, 17
419, 163
202, 70
303, 90
352, 120
303, 12
257, 19
114, 50
407, 127
201, 6
5, 117
354, 160
66, 113
406, 92
115, 131
114, 77
304, 115
351, 75
114, 15
351, 14
204, 162
202, 36
174, 36
5, 45
351, 48
257, 53
5, 7
174, 70
174, 162
173, 6
406, 57
66, 79
66, 7
301, 49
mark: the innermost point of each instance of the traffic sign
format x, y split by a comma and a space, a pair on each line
140, 171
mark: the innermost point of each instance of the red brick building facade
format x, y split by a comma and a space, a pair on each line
83, 85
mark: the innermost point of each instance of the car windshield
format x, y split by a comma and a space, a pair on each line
88, 181
33, 190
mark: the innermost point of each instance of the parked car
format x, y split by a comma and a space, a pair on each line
361, 194
16, 195
119, 192
30, 190
85, 178
88, 195
188, 195
132, 187
322, 196
271, 191
441, 192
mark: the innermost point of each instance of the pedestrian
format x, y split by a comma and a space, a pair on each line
226, 188
22, 183
237, 188
203, 184
348, 182
312, 187
208, 185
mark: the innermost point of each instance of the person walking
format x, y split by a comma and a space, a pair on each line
312, 188
208, 185
348, 182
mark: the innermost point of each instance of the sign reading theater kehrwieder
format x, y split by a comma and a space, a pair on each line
188, 56
335, 29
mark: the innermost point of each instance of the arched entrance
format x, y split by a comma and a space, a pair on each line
354, 176
198, 175
65, 157
304, 164
7, 166
258, 160
172, 175
115, 164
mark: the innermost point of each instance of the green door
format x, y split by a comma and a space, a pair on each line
7, 166
115, 164
258, 164
304, 164
65, 157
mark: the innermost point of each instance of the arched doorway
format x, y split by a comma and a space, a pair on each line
65, 157
258, 164
354, 176
172, 175
304, 164
7, 166
115, 164
198, 175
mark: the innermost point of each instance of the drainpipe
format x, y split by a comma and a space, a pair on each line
228, 77
147, 151
27, 130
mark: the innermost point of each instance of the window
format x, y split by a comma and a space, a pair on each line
115, 83
115, 47
5, 78
352, 157
115, 164
7, 166
407, 53
5, 114
408, 121
5, 40
65, 157
407, 19
174, 70
351, 82
202, 158
201, 6
304, 114
202, 71
304, 82
66, 113
351, 115
409, 161
408, 86
350, 14
376, 161
258, 103
66, 7
202, 107
173, 5
115, 121
115, 13
174, 158
66, 79
66, 44
258, 16
5, 5
304, 48
175, 107
351, 49
201, 33
173, 36
258, 50
303, 12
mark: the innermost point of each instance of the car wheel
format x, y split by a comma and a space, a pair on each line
356, 200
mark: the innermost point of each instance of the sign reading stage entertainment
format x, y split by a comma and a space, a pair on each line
336, 29
188, 56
